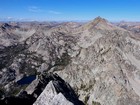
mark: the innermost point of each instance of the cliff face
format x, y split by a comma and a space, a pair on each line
50, 90
99, 60
106, 69
57, 92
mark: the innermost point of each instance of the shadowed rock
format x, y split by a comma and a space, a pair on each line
50, 86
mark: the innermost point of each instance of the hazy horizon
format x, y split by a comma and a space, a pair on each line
69, 10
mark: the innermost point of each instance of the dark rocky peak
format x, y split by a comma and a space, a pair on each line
8, 26
4, 26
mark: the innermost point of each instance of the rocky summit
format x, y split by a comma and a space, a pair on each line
69, 63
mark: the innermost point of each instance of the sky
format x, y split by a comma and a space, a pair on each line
69, 10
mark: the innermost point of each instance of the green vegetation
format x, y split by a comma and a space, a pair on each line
64, 60
86, 100
95, 103
87, 87
18, 89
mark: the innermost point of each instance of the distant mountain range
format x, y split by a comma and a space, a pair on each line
72, 63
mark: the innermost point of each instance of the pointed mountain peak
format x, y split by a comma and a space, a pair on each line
98, 20
98, 23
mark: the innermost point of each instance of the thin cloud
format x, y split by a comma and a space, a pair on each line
54, 12
16, 19
34, 9
10, 18
7, 18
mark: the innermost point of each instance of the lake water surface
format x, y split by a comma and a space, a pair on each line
26, 80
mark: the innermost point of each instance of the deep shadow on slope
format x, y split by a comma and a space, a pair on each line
59, 84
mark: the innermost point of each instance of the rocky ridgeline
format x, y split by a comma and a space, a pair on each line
99, 60
50, 90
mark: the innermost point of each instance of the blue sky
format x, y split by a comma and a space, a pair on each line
49, 10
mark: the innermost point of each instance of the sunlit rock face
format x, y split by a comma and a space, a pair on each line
49, 90
98, 59
57, 92
50, 97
